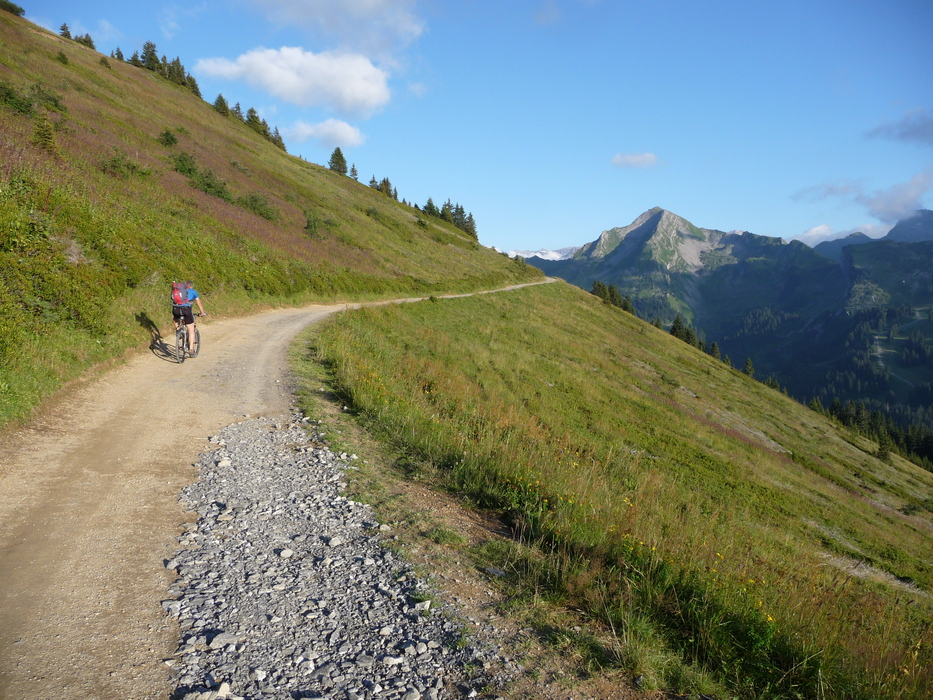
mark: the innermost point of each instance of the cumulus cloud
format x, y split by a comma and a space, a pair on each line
347, 83
888, 205
915, 126
634, 160
377, 27
332, 132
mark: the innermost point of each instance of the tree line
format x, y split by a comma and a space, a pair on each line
12, 8
451, 213
912, 442
175, 72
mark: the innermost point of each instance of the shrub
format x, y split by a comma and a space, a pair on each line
185, 164
14, 99
61, 58
210, 183
259, 205
167, 138
121, 166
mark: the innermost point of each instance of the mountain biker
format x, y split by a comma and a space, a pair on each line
183, 312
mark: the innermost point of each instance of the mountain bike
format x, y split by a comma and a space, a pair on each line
182, 348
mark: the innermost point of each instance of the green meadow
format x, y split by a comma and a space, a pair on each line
115, 181
732, 540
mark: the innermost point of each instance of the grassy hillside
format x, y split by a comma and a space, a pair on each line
114, 181
732, 540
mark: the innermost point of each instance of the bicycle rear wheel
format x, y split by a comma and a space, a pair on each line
181, 337
197, 343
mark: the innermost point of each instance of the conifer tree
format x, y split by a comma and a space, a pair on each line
150, 57
220, 104
714, 350
615, 297
600, 290
471, 226
337, 162
43, 135
86, 40
176, 72
252, 120
64, 31
192, 85
689, 336
117, 54
13, 8
678, 327
749, 368
353, 173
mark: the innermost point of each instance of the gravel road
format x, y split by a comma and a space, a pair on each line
89, 508
90, 514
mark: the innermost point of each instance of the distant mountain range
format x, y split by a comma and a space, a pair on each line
784, 304
915, 229
561, 254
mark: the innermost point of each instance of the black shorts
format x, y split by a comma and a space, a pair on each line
183, 312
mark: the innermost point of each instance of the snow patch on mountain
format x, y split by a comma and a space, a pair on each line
560, 254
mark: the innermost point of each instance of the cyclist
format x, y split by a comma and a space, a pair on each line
183, 312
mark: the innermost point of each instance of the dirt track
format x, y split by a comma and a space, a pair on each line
89, 508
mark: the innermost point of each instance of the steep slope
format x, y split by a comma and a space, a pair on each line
913, 229
114, 181
714, 525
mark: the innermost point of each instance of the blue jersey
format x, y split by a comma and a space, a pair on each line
192, 295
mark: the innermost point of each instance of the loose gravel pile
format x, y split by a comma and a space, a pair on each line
285, 588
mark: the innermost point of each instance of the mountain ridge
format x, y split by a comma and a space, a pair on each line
791, 307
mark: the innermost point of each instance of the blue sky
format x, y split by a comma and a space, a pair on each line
554, 120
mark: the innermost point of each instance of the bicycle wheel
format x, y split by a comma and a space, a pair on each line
197, 343
181, 336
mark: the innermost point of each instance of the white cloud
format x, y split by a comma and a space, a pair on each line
899, 201
377, 27
347, 83
915, 126
634, 160
817, 234
821, 233
888, 206
332, 132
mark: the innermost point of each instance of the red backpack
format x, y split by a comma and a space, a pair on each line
179, 293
